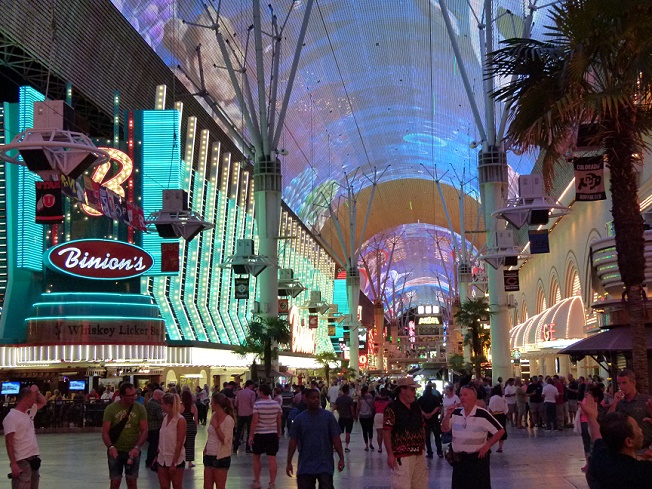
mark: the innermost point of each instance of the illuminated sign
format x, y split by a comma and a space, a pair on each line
303, 338
95, 331
363, 361
548, 332
99, 259
115, 182
429, 320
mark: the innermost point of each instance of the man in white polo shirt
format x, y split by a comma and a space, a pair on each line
20, 439
471, 426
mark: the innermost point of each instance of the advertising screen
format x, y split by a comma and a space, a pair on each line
77, 385
10, 388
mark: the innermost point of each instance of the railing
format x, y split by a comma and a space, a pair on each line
65, 414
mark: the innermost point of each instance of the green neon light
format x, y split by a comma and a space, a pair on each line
94, 318
29, 239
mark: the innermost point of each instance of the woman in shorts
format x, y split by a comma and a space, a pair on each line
170, 456
217, 453
380, 403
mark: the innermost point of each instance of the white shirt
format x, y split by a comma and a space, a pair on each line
22, 425
268, 411
333, 393
497, 405
450, 401
168, 443
470, 432
510, 389
550, 393
214, 446
106, 395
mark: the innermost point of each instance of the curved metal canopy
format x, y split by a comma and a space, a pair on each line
377, 87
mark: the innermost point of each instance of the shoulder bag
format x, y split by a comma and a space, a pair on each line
116, 431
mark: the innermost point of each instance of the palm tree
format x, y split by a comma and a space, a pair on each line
265, 333
325, 359
596, 69
471, 314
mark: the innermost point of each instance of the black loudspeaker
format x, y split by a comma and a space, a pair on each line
539, 217
35, 159
240, 269
511, 261
166, 231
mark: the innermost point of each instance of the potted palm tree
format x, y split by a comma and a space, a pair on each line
472, 313
325, 359
265, 334
594, 68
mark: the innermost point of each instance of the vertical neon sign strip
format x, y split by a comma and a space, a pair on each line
234, 233
227, 249
178, 284
205, 238
130, 153
5, 134
160, 164
29, 236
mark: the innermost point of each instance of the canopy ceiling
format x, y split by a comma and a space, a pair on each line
377, 88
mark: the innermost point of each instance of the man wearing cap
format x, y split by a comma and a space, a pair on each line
405, 439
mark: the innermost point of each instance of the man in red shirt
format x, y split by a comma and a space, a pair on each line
559, 402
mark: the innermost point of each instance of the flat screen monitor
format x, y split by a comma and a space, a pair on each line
10, 388
77, 385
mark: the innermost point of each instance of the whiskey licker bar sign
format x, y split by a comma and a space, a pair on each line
99, 259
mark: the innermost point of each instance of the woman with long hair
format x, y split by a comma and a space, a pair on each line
217, 453
189, 412
380, 403
365, 414
172, 436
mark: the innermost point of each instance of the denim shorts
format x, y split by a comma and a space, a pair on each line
118, 464
217, 463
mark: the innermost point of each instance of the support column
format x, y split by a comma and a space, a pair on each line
564, 365
267, 201
492, 170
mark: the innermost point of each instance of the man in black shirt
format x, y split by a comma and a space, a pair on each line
534, 393
613, 463
430, 404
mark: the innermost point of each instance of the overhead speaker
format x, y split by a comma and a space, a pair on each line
166, 231
539, 217
36, 160
511, 261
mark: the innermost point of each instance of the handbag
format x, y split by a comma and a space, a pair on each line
447, 437
577, 423
452, 457
116, 431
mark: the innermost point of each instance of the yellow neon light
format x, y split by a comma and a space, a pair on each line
114, 183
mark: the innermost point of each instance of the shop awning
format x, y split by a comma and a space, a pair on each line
611, 341
556, 327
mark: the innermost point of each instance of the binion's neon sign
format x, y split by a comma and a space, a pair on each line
114, 183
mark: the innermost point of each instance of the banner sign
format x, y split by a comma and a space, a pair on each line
103, 200
170, 257
241, 287
99, 259
313, 322
539, 241
283, 306
510, 280
78, 331
589, 179
49, 208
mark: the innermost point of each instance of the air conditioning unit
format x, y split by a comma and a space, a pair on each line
54, 114
531, 187
505, 239
175, 200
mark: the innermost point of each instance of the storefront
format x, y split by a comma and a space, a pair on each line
536, 343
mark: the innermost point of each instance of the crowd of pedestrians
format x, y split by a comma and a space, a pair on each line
466, 421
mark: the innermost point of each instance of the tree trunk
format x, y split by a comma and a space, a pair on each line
630, 242
477, 349
268, 359
327, 371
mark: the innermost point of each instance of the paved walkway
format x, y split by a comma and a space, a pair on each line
530, 460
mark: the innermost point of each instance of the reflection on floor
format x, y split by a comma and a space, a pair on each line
550, 460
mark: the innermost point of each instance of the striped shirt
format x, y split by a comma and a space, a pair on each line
267, 410
470, 432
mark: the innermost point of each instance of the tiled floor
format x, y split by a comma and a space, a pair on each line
530, 460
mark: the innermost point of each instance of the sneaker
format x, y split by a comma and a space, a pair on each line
366, 449
347, 449
255, 485
271, 486
440, 455
430, 455
371, 447
380, 450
